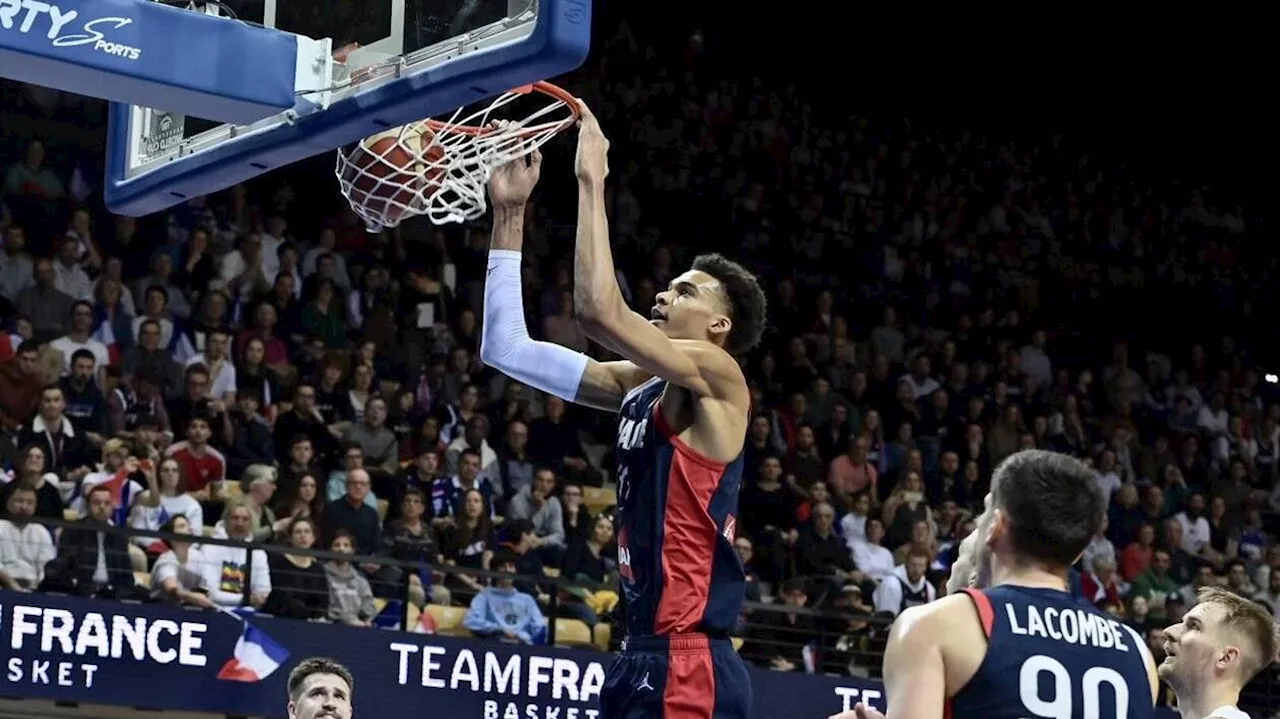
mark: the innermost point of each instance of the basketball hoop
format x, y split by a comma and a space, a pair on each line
439, 169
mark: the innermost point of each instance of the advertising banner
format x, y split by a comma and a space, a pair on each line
154, 657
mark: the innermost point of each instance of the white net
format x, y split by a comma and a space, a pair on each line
439, 169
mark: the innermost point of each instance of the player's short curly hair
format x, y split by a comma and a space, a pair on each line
318, 665
747, 304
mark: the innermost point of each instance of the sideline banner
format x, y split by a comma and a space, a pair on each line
153, 657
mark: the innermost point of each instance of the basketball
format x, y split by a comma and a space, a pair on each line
391, 174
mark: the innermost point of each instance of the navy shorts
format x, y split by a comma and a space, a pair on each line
684, 676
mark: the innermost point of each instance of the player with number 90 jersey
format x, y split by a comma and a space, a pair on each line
676, 523
1052, 655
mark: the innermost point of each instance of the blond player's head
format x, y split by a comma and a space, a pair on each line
1222, 642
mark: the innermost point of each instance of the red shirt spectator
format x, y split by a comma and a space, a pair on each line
202, 464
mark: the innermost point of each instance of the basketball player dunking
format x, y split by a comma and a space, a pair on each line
1217, 648
320, 687
1020, 645
684, 409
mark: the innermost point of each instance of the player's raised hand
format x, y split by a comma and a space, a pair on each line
511, 184
593, 148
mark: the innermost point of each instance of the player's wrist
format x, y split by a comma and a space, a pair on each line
590, 182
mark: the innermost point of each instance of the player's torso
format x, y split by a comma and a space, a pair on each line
1050, 655
676, 521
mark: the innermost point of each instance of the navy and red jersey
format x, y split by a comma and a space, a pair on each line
1053, 655
676, 522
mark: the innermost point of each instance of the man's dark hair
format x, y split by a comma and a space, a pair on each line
513, 530
28, 347
318, 665
83, 354
1052, 504
747, 304
502, 558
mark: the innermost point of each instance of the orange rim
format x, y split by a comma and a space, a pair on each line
545, 88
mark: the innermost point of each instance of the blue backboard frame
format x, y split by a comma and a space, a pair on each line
558, 43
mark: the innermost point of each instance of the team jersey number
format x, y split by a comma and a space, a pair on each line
1058, 705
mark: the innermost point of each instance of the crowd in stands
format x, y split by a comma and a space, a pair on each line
241, 368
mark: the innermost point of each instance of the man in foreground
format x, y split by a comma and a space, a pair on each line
318, 687
1220, 645
1023, 646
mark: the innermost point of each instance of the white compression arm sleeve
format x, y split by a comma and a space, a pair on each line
505, 344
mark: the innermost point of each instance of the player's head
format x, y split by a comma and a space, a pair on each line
1043, 510
717, 299
1223, 641
320, 687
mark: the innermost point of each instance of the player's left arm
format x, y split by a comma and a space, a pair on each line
700, 367
915, 676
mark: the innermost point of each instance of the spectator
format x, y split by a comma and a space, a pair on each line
783, 635
204, 467
20, 386
236, 576
872, 559
353, 515
536, 504
350, 597
29, 471
906, 586
66, 453
1156, 585
299, 585
1101, 585
25, 547
819, 552
48, 307
578, 522
80, 337
86, 408
411, 539
178, 576
447, 492
501, 611
381, 449
466, 541
90, 562
174, 500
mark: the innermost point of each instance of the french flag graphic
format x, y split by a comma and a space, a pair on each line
256, 656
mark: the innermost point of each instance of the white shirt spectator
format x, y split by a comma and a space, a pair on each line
152, 518
72, 281
1107, 483
93, 479
24, 551
1195, 532
191, 576
873, 560
68, 347
222, 383
1037, 366
888, 596
921, 388
224, 569
1214, 423
1246, 448
1099, 547
853, 528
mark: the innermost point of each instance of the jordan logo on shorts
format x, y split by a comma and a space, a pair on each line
644, 683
